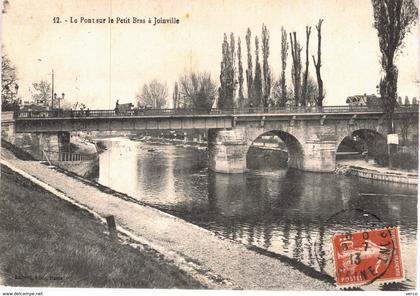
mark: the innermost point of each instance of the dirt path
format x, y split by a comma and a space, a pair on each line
220, 258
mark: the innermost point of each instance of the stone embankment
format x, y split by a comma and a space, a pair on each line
369, 171
223, 263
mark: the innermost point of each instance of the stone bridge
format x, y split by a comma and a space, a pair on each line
312, 134
311, 141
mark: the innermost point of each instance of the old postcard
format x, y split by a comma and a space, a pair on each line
220, 145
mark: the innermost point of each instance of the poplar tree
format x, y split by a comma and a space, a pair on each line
175, 96
317, 65
265, 39
240, 74
304, 97
284, 49
392, 20
296, 67
257, 88
249, 74
227, 73
232, 69
223, 73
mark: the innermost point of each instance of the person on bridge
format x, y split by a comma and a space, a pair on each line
116, 107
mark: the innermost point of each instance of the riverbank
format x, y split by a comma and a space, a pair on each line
266, 158
45, 242
189, 246
370, 170
175, 141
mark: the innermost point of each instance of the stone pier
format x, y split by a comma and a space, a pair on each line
227, 151
319, 155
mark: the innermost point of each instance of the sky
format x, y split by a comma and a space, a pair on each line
98, 63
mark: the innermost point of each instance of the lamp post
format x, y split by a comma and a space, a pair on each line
59, 98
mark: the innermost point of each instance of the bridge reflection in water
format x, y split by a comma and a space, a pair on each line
285, 211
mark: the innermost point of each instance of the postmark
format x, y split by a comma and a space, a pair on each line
364, 257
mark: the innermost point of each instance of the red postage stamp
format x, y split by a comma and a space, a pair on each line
366, 256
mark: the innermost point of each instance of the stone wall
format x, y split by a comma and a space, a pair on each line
33, 143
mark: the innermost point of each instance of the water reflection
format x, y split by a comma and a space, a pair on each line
285, 211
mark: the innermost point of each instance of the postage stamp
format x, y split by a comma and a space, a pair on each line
364, 257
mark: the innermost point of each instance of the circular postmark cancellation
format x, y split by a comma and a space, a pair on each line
362, 257
356, 248
362, 249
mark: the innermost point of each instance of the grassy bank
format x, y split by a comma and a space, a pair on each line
18, 152
45, 242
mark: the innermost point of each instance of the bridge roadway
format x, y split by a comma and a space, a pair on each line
183, 119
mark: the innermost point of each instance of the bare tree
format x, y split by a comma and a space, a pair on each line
312, 92
42, 94
280, 98
296, 66
153, 94
9, 86
304, 97
8, 73
317, 65
392, 20
284, 49
198, 90
277, 94
406, 123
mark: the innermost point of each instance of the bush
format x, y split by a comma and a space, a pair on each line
382, 159
404, 160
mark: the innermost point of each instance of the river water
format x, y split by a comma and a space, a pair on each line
285, 212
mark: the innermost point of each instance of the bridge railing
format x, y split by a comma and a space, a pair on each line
60, 156
322, 109
193, 111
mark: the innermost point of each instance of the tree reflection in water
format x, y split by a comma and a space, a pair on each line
282, 211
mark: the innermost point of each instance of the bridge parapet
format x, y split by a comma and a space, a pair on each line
210, 112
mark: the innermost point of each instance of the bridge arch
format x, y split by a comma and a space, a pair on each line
361, 140
295, 152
